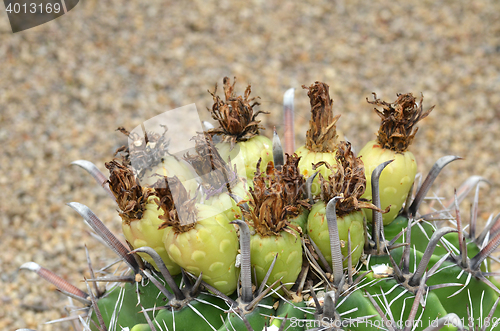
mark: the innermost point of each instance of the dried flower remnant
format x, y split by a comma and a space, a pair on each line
322, 134
239, 130
397, 130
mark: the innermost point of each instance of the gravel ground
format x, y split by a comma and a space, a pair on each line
67, 85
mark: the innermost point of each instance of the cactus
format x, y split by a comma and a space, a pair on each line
242, 251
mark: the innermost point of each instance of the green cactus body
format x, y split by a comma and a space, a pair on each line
204, 312
287, 246
146, 232
258, 318
402, 303
121, 303
210, 247
295, 312
395, 181
476, 292
317, 228
359, 306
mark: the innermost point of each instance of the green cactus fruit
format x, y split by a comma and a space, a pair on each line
239, 130
206, 244
348, 182
395, 135
140, 212
321, 138
276, 197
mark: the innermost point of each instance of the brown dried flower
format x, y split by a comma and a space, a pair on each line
398, 120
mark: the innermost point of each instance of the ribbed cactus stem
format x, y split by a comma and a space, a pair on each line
331, 217
246, 267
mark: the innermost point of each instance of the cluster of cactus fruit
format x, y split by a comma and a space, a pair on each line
238, 235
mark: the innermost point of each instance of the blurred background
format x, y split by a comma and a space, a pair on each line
66, 86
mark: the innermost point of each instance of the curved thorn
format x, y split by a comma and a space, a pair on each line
158, 285
377, 224
309, 182
288, 111
60, 283
331, 218
163, 270
99, 177
246, 267
408, 200
278, 156
109, 238
447, 320
435, 170
476, 261
422, 266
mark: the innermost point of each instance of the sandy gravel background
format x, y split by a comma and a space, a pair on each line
67, 85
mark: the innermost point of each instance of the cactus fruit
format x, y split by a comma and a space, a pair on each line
395, 135
258, 259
